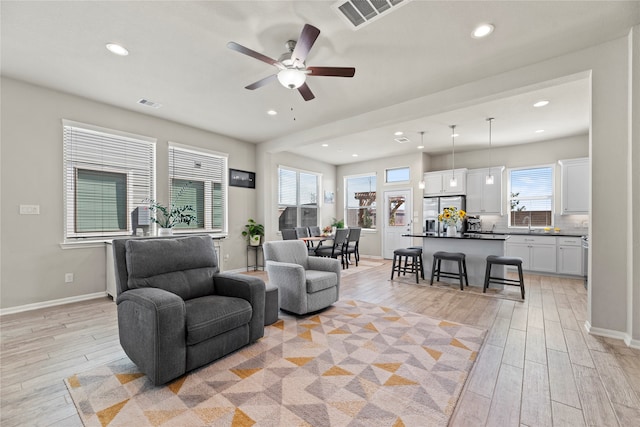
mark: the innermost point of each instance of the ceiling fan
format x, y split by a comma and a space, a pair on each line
293, 71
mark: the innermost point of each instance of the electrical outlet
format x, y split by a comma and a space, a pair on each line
29, 209
68, 278
226, 257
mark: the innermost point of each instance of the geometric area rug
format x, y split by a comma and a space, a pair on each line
353, 364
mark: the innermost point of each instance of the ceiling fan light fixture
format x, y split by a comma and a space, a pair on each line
291, 78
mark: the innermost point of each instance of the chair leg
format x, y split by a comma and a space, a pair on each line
415, 267
486, 278
521, 280
393, 266
460, 274
464, 268
421, 267
439, 268
433, 271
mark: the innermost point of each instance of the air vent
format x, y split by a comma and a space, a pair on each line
358, 13
148, 103
402, 139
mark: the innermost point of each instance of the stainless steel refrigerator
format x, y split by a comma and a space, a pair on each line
432, 206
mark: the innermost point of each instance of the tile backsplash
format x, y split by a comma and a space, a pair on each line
568, 224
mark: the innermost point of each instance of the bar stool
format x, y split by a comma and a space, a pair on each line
458, 257
414, 267
503, 260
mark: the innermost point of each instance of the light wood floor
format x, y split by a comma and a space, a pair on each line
538, 366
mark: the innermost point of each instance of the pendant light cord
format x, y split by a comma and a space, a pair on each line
453, 143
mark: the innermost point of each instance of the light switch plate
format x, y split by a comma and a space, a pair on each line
29, 209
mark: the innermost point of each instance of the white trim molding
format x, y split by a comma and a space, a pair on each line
52, 303
612, 334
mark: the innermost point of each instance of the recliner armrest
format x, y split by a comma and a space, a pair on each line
151, 325
249, 288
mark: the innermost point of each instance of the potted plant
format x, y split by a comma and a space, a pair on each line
253, 231
168, 217
336, 223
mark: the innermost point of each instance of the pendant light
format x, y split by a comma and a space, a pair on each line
489, 177
453, 182
421, 184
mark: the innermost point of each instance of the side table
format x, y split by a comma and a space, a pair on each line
257, 252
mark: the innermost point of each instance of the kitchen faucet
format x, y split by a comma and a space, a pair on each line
528, 219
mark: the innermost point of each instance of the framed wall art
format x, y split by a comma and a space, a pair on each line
240, 178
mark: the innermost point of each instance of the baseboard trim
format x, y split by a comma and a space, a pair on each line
52, 303
608, 333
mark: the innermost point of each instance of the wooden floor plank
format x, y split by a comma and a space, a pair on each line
566, 416
505, 405
536, 397
561, 381
597, 409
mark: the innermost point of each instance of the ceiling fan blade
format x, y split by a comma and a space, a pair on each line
306, 92
262, 82
252, 53
306, 40
332, 71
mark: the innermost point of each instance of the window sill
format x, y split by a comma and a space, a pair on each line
99, 243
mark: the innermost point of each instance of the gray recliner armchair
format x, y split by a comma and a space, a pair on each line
176, 311
305, 284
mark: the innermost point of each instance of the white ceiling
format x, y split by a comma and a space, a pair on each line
178, 58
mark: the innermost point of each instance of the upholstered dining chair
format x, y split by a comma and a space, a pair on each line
338, 249
289, 234
353, 244
305, 283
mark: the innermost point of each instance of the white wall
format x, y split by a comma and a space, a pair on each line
33, 263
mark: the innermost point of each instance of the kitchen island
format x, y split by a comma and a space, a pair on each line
476, 247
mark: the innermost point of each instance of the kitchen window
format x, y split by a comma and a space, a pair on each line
198, 178
531, 197
107, 174
360, 203
297, 198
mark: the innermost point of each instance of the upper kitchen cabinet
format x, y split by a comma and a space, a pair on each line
483, 198
575, 186
438, 183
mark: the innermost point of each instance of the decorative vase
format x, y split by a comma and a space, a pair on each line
163, 232
452, 230
254, 240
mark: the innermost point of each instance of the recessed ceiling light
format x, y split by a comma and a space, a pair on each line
325, 145
420, 147
482, 31
272, 112
540, 131
541, 103
354, 155
398, 133
117, 49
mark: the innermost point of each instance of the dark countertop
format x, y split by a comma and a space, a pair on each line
526, 233
471, 236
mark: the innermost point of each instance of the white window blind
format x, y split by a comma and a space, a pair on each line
360, 204
297, 198
199, 178
531, 197
107, 174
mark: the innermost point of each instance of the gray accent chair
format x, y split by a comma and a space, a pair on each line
305, 284
176, 311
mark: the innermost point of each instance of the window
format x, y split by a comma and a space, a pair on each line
297, 198
397, 175
531, 197
360, 204
107, 174
197, 177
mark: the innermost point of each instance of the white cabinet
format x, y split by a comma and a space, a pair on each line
570, 255
483, 198
574, 186
438, 183
538, 253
